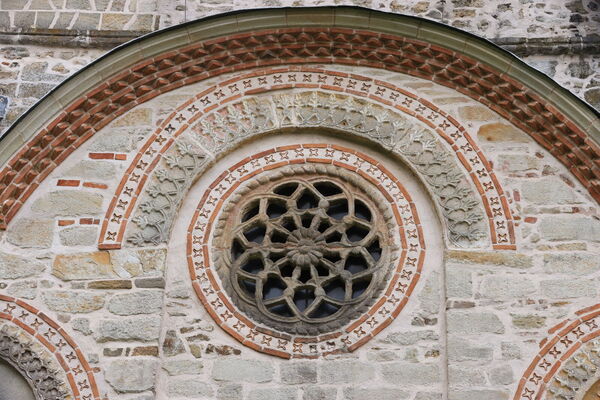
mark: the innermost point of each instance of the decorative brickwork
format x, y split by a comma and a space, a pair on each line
219, 121
314, 160
65, 353
567, 362
163, 73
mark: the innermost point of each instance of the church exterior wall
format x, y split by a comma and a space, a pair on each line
485, 312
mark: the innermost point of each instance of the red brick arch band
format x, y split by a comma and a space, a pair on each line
479, 169
405, 273
49, 334
193, 63
568, 337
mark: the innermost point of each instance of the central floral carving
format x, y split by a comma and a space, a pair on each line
305, 253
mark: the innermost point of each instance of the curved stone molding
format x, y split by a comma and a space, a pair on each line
166, 189
60, 351
406, 266
568, 361
186, 55
35, 363
439, 149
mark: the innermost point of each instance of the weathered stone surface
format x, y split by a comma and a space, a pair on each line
429, 296
499, 132
23, 289
402, 373
506, 287
476, 113
189, 388
563, 227
109, 264
81, 325
79, 236
428, 396
222, 350
518, 162
276, 393
528, 321
409, 338
27, 232
298, 372
313, 392
461, 322
135, 328
143, 302
502, 375
114, 22
549, 190
568, 289
510, 351
172, 344
67, 203
111, 284
93, 169
73, 302
118, 140
505, 259
183, 367
83, 266
375, 393
136, 117
158, 282
459, 282
140, 262
230, 391
151, 351
347, 371
571, 263
459, 376
240, 370
131, 375
14, 267
479, 395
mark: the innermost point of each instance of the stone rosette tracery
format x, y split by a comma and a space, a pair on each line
229, 200
305, 251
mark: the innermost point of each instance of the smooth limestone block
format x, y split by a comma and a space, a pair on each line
241, 370
132, 375
72, 301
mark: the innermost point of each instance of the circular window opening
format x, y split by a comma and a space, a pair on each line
304, 253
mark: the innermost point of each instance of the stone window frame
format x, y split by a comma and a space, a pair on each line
319, 158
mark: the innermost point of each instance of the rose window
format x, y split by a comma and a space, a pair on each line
305, 254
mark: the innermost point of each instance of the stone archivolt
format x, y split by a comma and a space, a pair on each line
57, 371
568, 362
33, 363
460, 179
150, 78
284, 163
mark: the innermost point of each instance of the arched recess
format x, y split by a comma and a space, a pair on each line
44, 353
568, 363
160, 62
434, 145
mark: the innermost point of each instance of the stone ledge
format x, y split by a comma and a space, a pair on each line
108, 39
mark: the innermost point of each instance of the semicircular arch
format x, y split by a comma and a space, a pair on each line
166, 60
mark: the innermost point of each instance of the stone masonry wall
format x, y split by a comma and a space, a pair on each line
560, 38
469, 331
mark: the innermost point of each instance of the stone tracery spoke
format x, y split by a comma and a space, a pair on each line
305, 249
